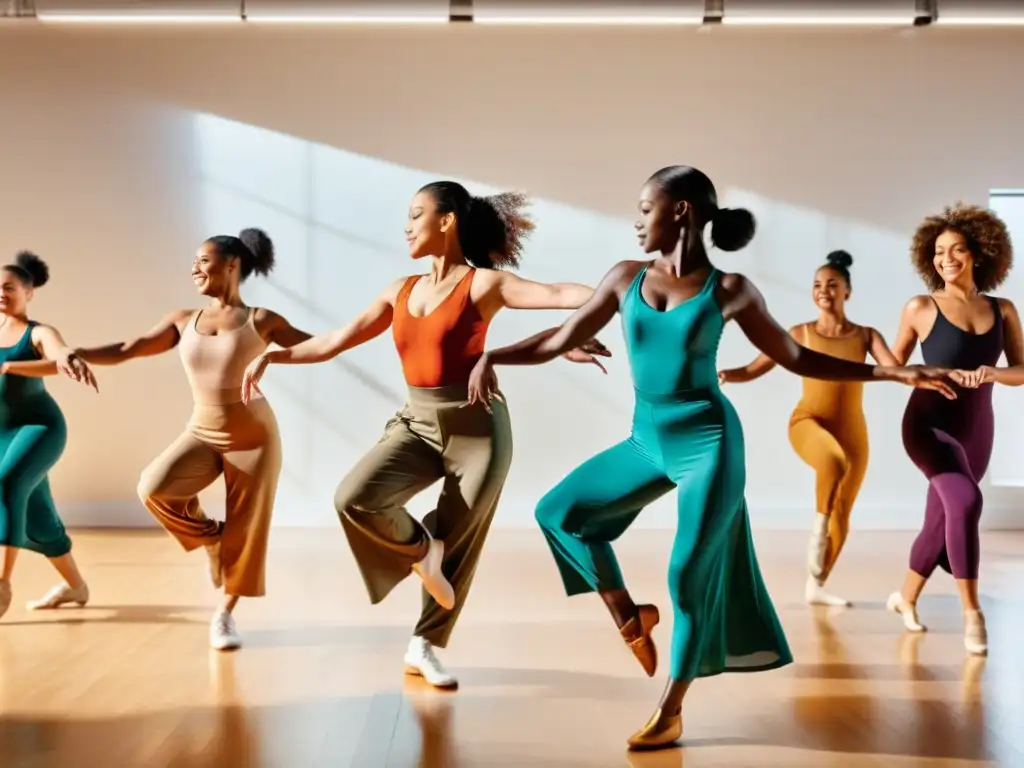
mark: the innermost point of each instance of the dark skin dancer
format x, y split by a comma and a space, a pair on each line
675, 207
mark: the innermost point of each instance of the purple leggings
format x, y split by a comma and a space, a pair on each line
951, 443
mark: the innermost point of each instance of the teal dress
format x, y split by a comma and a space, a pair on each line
33, 434
686, 435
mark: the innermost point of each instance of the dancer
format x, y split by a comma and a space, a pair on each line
224, 435
439, 322
961, 255
827, 429
685, 434
33, 435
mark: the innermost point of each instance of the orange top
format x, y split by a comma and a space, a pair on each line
441, 347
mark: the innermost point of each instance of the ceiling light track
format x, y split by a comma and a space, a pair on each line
921, 13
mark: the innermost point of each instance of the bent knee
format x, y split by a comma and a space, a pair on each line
148, 488
351, 496
552, 512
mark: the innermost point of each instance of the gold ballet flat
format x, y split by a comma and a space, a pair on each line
642, 644
660, 731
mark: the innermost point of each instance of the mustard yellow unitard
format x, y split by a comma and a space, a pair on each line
828, 431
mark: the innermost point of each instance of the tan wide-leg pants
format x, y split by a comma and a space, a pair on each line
242, 441
435, 436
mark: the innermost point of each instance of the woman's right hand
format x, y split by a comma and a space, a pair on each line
251, 378
925, 377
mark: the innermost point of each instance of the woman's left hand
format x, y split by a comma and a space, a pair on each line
588, 352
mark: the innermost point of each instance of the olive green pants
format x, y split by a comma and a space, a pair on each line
435, 436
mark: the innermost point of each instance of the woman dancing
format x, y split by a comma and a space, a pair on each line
827, 429
33, 435
685, 434
224, 436
439, 322
961, 255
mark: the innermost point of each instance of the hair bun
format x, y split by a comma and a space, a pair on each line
261, 247
34, 267
732, 228
840, 259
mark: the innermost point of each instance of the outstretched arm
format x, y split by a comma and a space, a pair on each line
162, 337
755, 369
747, 306
518, 293
277, 330
57, 356
580, 327
372, 322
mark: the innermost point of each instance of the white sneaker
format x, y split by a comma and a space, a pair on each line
420, 660
216, 572
223, 635
434, 581
61, 595
5, 596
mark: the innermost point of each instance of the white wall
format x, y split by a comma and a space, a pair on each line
123, 149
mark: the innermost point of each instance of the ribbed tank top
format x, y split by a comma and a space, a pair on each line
215, 364
440, 348
832, 399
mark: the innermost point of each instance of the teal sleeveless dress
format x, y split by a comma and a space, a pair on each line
686, 435
33, 434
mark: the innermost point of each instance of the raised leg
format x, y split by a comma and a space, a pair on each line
588, 510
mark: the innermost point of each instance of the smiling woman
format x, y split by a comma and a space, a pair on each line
224, 436
439, 321
960, 254
828, 430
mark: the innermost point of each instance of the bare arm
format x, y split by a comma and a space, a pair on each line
277, 330
33, 369
766, 334
755, 369
372, 322
162, 337
880, 350
580, 327
518, 293
57, 356
907, 336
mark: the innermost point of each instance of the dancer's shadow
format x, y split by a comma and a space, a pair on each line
119, 614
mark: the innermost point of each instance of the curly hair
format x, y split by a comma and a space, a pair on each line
491, 229
987, 239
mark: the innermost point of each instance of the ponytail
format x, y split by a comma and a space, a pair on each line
491, 229
252, 247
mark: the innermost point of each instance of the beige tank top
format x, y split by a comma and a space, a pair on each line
215, 364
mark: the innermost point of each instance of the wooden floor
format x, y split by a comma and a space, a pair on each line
129, 680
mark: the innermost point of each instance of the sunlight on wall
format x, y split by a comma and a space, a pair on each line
337, 219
